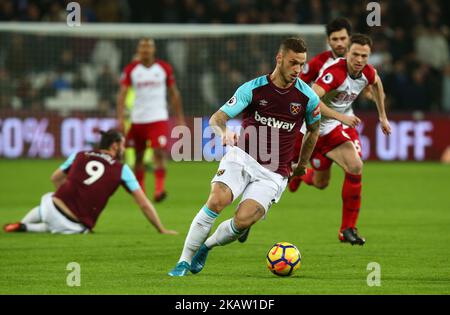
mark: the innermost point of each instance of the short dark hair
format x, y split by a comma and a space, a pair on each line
147, 39
296, 44
108, 138
339, 24
361, 39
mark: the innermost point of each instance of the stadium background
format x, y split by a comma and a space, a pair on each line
58, 83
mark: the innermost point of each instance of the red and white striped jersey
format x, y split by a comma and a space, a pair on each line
315, 67
342, 90
150, 85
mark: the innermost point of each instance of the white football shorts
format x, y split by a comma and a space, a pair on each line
57, 223
244, 175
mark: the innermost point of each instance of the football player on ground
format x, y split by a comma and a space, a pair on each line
274, 106
152, 80
338, 86
84, 183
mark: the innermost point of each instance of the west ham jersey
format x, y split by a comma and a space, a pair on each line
92, 177
269, 109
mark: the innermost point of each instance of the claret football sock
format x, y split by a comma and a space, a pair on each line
225, 233
351, 200
308, 177
198, 232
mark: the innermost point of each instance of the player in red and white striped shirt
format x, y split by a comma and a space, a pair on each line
338, 86
338, 32
152, 80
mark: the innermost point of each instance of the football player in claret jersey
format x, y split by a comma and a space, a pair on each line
338, 86
273, 108
152, 81
84, 183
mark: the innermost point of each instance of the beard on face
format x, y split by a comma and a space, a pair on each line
338, 53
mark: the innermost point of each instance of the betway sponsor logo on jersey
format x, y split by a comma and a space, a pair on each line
273, 122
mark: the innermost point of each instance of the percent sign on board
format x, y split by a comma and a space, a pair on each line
41, 142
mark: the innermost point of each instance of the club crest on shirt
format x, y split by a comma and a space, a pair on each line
232, 101
220, 172
295, 108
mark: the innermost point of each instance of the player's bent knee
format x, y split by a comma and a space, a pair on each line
158, 153
355, 168
219, 198
247, 215
243, 222
321, 184
217, 202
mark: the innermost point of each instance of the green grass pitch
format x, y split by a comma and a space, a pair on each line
405, 218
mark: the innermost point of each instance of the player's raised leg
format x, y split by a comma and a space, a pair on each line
247, 214
219, 197
347, 157
316, 178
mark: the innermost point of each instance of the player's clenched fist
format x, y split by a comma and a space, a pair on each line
298, 170
385, 126
351, 121
168, 232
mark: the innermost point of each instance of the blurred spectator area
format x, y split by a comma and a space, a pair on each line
411, 51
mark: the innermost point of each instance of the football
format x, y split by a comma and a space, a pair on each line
283, 259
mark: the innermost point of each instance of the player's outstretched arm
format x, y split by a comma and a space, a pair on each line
150, 212
379, 96
351, 121
175, 101
58, 178
121, 107
218, 123
308, 144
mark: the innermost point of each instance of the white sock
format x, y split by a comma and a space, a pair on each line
226, 233
198, 232
37, 227
33, 216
